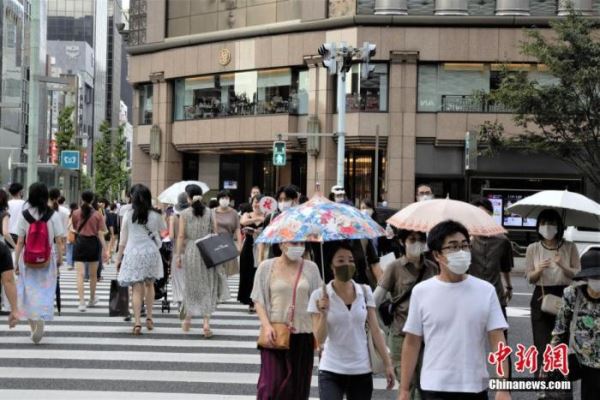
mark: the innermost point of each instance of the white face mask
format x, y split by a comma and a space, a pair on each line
284, 205
548, 232
224, 203
339, 199
425, 197
367, 211
414, 250
294, 253
459, 262
594, 284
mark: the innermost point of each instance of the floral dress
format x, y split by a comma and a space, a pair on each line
141, 260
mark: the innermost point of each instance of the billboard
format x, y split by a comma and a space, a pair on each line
501, 199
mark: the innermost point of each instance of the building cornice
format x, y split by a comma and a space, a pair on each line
297, 26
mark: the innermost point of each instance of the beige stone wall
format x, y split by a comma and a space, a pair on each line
402, 125
188, 17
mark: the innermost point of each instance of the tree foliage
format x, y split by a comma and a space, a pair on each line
66, 130
110, 162
565, 115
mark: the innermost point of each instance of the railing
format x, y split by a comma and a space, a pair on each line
470, 103
216, 109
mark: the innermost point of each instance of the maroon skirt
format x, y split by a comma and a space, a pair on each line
286, 374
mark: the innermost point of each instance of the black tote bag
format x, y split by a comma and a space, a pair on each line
217, 249
118, 303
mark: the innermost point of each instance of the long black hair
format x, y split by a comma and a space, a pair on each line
3, 200
53, 195
87, 201
141, 203
38, 197
194, 192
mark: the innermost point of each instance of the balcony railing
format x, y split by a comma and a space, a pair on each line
471, 104
216, 109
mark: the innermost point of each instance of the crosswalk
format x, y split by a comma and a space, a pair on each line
88, 355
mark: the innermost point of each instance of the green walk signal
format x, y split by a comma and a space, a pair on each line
279, 153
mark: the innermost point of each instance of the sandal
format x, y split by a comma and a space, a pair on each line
186, 325
137, 330
208, 333
149, 324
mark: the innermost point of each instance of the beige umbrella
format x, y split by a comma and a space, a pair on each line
424, 215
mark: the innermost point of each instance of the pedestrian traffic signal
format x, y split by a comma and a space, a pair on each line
279, 153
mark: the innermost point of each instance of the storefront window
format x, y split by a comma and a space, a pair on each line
273, 91
367, 95
145, 93
453, 87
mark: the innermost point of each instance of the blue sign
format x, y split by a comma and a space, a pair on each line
69, 159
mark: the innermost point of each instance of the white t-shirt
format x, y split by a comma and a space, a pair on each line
454, 320
64, 215
55, 225
345, 350
15, 208
124, 209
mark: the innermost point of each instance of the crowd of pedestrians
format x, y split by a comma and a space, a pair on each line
446, 292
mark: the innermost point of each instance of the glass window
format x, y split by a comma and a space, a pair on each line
273, 91
145, 93
241, 93
299, 93
453, 87
370, 94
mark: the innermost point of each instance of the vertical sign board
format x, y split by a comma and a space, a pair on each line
70, 159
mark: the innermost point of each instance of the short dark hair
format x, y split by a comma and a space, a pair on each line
54, 194
550, 215
15, 188
485, 203
403, 234
289, 191
61, 200
423, 185
439, 233
223, 193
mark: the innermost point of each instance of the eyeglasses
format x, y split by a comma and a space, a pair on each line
453, 248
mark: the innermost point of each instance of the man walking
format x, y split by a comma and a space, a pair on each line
15, 207
455, 314
7, 278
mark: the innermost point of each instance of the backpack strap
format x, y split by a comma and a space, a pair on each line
47, 216
28, 217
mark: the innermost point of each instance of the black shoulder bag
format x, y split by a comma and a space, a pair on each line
388, 307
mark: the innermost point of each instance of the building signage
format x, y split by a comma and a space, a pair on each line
69, 159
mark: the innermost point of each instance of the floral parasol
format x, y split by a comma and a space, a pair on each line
320, 220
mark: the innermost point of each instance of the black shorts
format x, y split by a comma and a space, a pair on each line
86, 249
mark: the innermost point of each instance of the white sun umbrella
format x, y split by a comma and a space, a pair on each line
169, 195
575, 209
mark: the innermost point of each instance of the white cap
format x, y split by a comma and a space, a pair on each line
338, 190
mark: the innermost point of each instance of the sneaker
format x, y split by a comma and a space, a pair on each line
38, 331
82, 307
93, 302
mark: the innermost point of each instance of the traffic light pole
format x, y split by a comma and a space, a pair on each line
341, 126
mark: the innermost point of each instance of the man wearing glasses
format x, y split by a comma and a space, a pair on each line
454, 313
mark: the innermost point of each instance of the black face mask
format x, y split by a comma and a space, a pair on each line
344, 272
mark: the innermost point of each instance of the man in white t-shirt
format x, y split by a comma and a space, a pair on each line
456, 315
15, 207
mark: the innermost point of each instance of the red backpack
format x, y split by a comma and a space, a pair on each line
38, 249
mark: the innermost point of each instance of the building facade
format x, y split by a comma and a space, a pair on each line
216, 82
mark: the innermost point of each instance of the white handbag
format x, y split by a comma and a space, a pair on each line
550, 303
377, 364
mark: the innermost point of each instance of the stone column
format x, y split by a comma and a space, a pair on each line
400, 167
140, 161
582, 6
319, 104
512, 7
451, 7
168, 168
